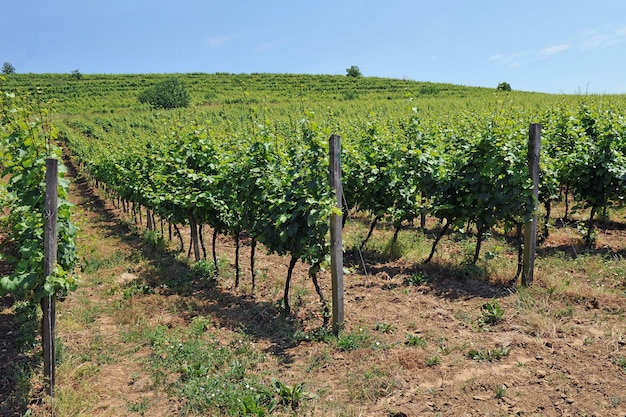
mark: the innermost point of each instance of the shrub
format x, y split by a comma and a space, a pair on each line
504, 86
167, 94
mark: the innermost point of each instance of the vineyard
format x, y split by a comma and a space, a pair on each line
436, 190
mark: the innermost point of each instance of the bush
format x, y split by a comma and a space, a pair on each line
504, 87
167, 94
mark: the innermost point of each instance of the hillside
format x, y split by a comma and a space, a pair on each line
106, 93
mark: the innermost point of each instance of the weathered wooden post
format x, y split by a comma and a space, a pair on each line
336, 240
530, 228
48, 303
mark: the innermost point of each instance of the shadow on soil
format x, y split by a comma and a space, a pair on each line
200, 295
19, 327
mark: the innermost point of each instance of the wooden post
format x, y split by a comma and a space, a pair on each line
48, 303
336, 240
530, 229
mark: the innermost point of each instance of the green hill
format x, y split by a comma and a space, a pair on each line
104, 93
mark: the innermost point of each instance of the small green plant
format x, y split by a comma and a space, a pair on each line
348, 342
433, 360
289, 395
488, 354
204, 270
500, 391
139, 407
415, 341
319, 360
589, 341
620, 361
415, 280
491, 313
387, 328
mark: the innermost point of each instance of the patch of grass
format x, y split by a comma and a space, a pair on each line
489, 355
416, 279
204, 269
370, 384
433, 360
140, 407
620, 361
415, 341
347, 342
500, 391
93, 262
319, 360
214, 378
387, 328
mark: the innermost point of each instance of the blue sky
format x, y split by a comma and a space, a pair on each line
552, 46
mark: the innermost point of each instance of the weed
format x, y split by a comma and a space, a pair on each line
135, 288
213, 378
387, 328
488, 354
415, 341
620, 361
319, 360
289, 395
139, 407
433, 360
416, 279
370, 384
588, 341
491, 313
204, 270
500, 391
348, 342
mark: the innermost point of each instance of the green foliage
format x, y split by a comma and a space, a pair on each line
214, 379
168, 94
489, 355
415, 341
353, 71
387, 328
504, 86
433, 360
76, 75
290, 396
25, 143
348, 342
8, 68
491, 313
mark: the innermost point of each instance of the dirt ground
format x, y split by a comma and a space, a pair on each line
560, 350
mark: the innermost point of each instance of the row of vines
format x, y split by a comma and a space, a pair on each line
26, 141
264, 172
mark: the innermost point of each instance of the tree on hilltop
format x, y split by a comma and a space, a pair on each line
353, 71
8, 68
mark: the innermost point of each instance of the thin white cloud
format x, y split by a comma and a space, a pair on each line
524, 57
218, 41
603, 37
512, 60
267, 46
552, 50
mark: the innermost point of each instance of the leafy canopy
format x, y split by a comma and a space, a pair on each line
167, 94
